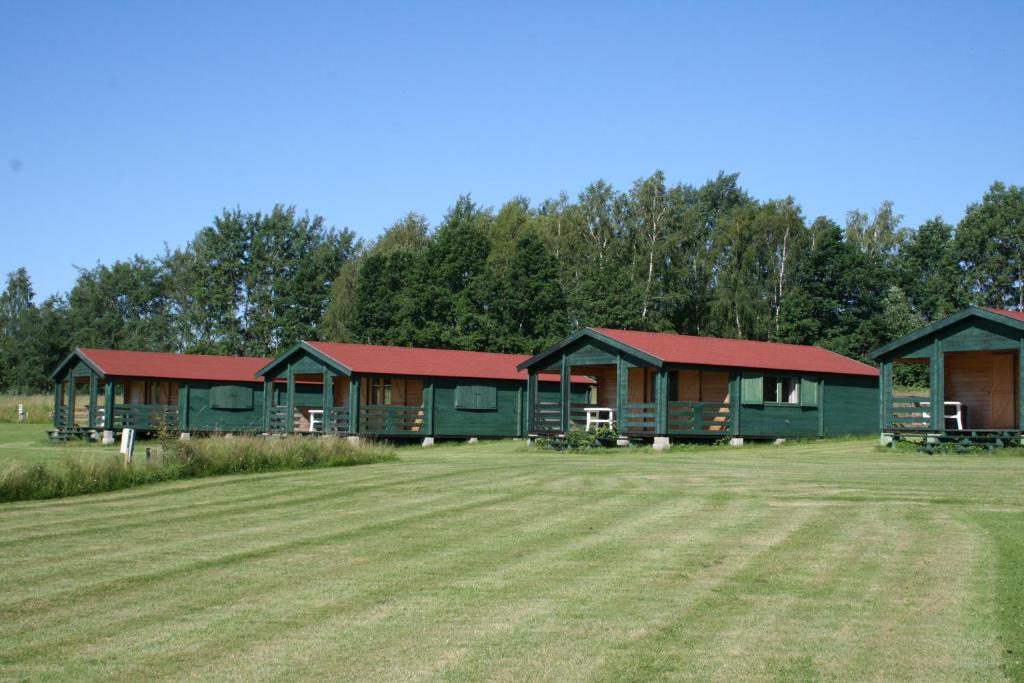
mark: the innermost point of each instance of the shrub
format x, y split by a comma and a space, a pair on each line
185, 460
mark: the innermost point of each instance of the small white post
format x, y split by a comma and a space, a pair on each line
127, 444
21, 412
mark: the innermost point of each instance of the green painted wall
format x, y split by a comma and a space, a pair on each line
203, 418
451, 422
847, 404
851, 405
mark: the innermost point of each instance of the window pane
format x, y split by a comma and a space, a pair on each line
771, 389
387, 392
790, 390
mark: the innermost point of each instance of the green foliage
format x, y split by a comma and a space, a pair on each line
990, 248
183, 460
705, 259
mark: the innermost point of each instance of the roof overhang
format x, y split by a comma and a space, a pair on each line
590, 333
970, 311
77, 353
311, 350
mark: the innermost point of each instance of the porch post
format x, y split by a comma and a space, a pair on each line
1020, 385
71, 401
428, 408
885, 396
184, 394
519, 410
353, 404
58, 391
290, 422
621, 393
735, 404
661, 401
268, 399
93, 395
108, 405
564, 384
531, 399
938, 397
328, 402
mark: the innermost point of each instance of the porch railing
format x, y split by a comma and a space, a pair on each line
145, 416
638, 418
698, 417
391, 420
547, 417
279, 421
911, 412
336, 420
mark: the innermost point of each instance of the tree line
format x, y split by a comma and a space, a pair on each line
706, 260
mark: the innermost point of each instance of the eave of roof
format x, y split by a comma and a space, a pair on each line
1011, 318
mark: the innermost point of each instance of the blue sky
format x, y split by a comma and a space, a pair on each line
125, 126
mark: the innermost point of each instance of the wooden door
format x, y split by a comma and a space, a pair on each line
1004, 407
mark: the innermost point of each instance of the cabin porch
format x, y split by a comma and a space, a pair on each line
979, 392
639, 401
85, 402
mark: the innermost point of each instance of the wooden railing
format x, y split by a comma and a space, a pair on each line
698, 418
546, 417
638, 418
911, 412
145, 417
278, 420
336, 420
391, 420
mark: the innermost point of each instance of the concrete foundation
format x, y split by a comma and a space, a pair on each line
473, 440
186, 436
779, 442
886, 440
622, 441
108, 437
661, 443
428, 441
353, 440
736, 441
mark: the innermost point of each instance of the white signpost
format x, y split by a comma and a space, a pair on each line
127, 444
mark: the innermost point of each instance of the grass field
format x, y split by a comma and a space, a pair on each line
38, 408
801, 562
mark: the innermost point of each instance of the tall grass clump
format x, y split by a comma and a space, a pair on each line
184, 460
38, 408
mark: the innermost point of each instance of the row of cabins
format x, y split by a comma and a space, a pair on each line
653, 386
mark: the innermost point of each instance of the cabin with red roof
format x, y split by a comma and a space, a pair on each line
399, 392
971, 365
104, 390
653, 385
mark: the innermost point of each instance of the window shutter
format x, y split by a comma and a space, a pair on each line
476, 397
752, 390
231, 397
808, 392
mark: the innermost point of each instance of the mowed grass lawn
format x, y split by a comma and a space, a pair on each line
807, 561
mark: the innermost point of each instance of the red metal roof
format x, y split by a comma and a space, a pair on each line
175, 365
403, 360
1016, 315
739, 353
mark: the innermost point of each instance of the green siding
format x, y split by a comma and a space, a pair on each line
850, 405
775, 421
508, 420
202, 417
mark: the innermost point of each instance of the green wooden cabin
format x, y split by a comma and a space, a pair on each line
99, 390
660, 386
399, 392
971, 363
